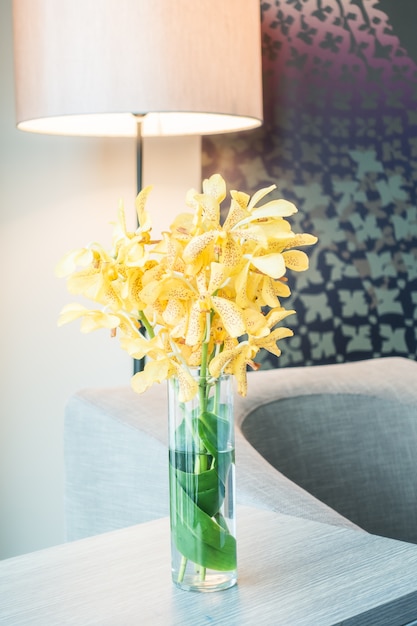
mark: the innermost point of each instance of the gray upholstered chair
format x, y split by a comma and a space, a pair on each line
333, 443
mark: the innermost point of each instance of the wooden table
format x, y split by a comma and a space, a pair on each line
292, 572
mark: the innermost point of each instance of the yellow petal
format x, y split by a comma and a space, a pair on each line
270, 264
70, 261
269, 297
175, 311
277, 229
180, 330
196, 325
256, 323
237, 210
281, 289
270, 343
218, 275
302, 239
182, 226
153, 372
71, 312
91, 319
218, 332
188, 386
176, 288
135, 253
261, 193
275, 208
272, 210
215, 187
96, 320
219, 362
240, 284
277, 315
296, 260
241, 198
201, 283
132, 288
252, 235
234, 361
143, 216
231, 316
197, 245
137, 347
210, 208
151, 292
140, 346
231, 253
239, 371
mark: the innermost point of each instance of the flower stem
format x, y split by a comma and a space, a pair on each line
181, 572
147, 325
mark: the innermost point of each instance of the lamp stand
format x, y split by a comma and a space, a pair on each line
139, 364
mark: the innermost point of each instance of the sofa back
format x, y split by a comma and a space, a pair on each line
355, 452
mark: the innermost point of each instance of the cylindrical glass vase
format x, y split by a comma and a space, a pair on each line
202, 486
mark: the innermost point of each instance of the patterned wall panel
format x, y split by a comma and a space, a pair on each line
339, 140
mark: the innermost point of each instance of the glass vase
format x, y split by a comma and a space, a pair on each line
202, 486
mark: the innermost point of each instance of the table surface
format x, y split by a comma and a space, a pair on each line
292, 572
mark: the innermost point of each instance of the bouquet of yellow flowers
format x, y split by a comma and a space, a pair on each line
200, 292
197, 304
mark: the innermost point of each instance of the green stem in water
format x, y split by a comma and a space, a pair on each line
201, 458
181, 572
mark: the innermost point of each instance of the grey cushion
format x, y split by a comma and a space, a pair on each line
355, 453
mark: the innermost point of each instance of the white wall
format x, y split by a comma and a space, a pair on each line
56, 194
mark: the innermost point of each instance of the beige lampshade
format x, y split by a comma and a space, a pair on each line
87, 67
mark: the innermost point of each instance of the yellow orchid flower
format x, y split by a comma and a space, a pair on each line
162, 369
153, 372
69, 263
234, 361
90, 319
97, 280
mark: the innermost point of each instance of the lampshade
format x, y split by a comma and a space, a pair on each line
88, 67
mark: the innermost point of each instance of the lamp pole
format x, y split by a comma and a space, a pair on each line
139, 364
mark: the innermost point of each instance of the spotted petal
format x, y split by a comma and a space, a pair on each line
270, 342
218, 276
231, 316
143, 215
196, 325
188, 386
237, 210
296, 260
215, 187
302, 239
198, 245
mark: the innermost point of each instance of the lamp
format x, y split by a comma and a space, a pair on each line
137, 67
93, 67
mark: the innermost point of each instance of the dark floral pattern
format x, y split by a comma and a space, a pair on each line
340, 140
